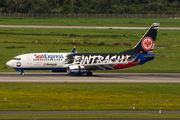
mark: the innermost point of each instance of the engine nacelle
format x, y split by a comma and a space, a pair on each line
75, 69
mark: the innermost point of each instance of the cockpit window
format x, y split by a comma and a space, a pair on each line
16, 58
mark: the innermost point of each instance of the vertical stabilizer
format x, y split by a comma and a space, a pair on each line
146, 43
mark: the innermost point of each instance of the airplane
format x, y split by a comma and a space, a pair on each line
84, 63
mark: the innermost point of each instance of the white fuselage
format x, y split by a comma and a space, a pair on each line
39, 61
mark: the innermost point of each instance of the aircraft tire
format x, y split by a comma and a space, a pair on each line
89, 74
68, 71
22, 73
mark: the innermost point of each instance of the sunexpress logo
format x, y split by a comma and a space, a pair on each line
45, 56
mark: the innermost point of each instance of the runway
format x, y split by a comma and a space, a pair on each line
46, 77
92, 112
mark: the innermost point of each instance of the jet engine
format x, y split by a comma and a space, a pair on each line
75, 69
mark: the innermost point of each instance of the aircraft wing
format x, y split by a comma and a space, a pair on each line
101, 66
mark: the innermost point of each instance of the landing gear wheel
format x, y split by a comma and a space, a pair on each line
22, 73
89, 73
68, 71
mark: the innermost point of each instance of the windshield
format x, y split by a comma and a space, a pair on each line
16, 58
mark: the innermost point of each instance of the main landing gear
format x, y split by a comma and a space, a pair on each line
89, 73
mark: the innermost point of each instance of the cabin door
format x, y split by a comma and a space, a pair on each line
29, 60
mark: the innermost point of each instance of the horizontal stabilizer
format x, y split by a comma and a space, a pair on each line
149, 56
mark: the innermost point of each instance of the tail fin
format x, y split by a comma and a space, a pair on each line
146, 43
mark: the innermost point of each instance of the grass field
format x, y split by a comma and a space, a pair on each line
15, 41
89, 96
146, 22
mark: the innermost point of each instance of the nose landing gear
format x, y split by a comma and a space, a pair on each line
22, 73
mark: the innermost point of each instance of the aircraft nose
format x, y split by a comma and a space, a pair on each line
9, 63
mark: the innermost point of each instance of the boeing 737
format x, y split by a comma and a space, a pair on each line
84, 63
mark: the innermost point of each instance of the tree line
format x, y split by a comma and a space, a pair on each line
91, 6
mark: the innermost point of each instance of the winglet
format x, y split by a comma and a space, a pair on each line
73, 50
137, 58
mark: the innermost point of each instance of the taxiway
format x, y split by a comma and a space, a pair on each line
86, 27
